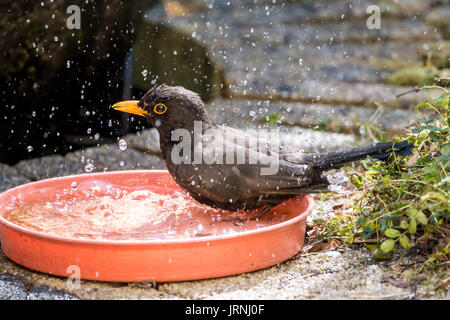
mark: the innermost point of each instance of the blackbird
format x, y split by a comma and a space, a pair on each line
221, 181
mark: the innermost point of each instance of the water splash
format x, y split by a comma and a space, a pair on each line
89, 168
101, 210
122, 144
337, 182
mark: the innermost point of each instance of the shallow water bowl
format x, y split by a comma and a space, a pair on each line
196, 243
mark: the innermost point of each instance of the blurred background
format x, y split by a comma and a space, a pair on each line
315, 68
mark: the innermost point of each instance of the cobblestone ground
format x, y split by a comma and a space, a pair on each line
315, 70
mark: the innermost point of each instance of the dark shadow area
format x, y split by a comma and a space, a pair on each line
58, 84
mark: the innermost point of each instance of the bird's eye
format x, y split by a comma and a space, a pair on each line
160, 108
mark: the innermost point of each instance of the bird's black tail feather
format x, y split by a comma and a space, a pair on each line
379, 151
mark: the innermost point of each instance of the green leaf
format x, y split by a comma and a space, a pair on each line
273, 118
387, 245
446, 150
442, 98
392, 233
404, 224
371, 247
356, 180
412, 226
434, 136
350, 239
421, 128
421, 218
433, 128
427, 121
404, 241
411, 212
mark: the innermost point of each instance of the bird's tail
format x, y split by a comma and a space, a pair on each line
380, 151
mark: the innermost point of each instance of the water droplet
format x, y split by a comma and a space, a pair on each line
55, 38
122, 163
30, 148
144, 72
362, 131
89, 167
33, 113
122, 144
175, 52
74, 186
89, 131
88, 113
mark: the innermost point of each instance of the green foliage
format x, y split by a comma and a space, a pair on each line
436, 64
405, 198
413, 76
273, 118
438, 54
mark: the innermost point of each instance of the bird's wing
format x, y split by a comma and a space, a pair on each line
289, 179
279, 170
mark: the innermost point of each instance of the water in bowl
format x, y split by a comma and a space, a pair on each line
114, 212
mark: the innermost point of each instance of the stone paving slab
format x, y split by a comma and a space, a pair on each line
369, 95
312, 11
111, 157
343, 274
440, 18
47, 167
10, 177
14, 288
332, 118
103, 158
147, 140
272, 50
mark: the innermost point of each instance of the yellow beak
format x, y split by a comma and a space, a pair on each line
130, 106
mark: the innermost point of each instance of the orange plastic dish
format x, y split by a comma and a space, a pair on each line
174, 259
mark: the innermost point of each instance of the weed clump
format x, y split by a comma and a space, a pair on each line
404, 202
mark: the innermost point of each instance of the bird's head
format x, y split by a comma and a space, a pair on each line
167, 108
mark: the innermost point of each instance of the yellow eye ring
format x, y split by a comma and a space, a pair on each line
160, 111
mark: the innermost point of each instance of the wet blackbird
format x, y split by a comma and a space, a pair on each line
232, 180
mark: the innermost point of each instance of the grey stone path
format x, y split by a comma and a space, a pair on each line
312, 51
315, 70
